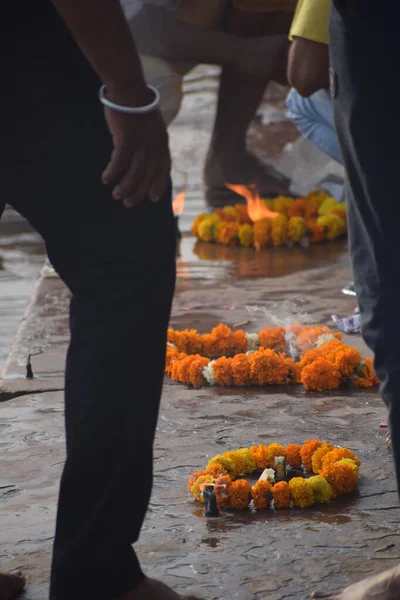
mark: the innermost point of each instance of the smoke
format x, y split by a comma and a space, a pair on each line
281, 314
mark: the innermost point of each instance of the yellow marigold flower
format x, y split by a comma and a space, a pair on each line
226, 463
249, 463
195, 489
242, 212
321, 375
239, 494
281, 204
318, 455
279, 230
241, 371
333, 225
337, 454
207, 228
293, 456
226, 232
269, 202
281, 494
272, 451
341, 476
262, 233
193, 477
348, 461
216, 470
262, 493
328, 205
321, 489
307, 451
340, 210
230, 210
246, 235
197, 221
223, 485
296, 229
318, 197
260, 454
301, 492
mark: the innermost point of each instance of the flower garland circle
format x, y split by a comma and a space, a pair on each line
315, 218
313, 356
296, 475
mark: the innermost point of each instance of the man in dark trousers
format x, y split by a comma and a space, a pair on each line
365, 71
109, 231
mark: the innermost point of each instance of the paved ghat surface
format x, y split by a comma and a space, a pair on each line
271, 556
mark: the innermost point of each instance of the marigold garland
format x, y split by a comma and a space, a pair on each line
235, 358
339, 475
315, 218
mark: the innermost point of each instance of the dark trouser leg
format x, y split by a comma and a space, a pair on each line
364, 61
120, 265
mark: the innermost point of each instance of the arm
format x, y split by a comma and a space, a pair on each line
308, 66
162, 33
140, 161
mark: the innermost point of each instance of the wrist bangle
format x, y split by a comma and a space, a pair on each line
130, 110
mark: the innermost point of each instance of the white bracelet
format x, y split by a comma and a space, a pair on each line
130, 110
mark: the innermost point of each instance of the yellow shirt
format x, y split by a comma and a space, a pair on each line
311, 21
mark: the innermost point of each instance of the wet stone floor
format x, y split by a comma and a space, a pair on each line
245, 556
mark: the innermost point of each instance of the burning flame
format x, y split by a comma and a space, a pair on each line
178, 203
255, 206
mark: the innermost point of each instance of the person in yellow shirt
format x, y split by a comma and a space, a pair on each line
309, 100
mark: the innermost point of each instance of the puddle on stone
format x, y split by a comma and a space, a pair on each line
212, 262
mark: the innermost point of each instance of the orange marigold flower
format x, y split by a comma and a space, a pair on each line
243, 214
197, 221
260, 454
223, 485
226, 232
341, 476
368, 377
301, 492
293, 455
223, 371
272, 451
196, 377
281, 494
307, 451
347, 361
239, 494
318, 456
320, 375
241, 371
297, 208
193, 477
262, 493
262, 233
337, 454
273, 338
216, 470
268, 367
316, 232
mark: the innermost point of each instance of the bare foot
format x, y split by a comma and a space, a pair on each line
11, 584
243, 169
385, 586
151, 589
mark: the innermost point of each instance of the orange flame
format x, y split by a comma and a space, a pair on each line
178, 203
255, 206
206, 484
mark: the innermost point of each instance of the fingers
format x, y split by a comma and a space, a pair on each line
146, 177
119, 162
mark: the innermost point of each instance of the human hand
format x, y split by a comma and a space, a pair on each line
266, 55
140, 162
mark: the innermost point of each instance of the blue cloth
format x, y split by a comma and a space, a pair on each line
313, 117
